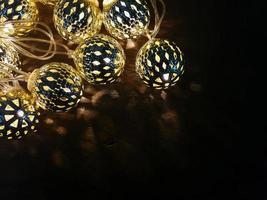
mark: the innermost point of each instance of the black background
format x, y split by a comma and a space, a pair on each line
204, 155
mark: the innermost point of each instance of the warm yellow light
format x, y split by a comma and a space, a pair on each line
108, 3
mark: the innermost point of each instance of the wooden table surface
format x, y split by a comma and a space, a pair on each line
128, 140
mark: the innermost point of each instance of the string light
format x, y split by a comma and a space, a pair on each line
57, 87
24, 11
99, 59
77, 20
8, 55
126, 19
160, 63
18, 116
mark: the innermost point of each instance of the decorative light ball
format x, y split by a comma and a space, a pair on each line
8, 55
18, 116
14, 10
76, 20
127, 19
160, 63
100, 59
49, 2
56, 86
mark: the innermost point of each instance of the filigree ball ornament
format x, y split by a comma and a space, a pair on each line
100, 60
76, 20
160, 63
18, 115
126, 19
57, 87
9, 56
22, 11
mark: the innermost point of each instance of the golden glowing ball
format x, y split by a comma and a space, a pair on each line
8, 55
100, 59
20, 11
18, 116
76, 20
160, 63
126, 19
56, 86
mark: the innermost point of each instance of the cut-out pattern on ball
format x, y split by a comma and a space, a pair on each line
18, 116
77, 20
100, 59
8, 55
127, 19
56, 86
23, 10
160, 63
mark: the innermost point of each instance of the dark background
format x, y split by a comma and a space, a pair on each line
130, 141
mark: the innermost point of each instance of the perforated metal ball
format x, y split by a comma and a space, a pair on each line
127, 18
56, 86
76, 20
100, 59
160, 63
18, 116
14, 10
9, 56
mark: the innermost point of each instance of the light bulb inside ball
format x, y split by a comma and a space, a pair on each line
18, 114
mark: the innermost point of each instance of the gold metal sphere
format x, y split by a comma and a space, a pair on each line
160, 63
100, 59
126, 19
18, 115
56, 86
77, 20
23, 11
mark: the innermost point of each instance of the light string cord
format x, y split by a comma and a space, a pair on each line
14, 69
158, 18
67, 51
9, 77
9, 81
18, 43
26, 49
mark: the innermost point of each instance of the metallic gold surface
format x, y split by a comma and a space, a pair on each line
100, 59
56, 86
127, 140
160, 63
127, 19
107, 4
18, 116
8, 55
21, 11
76, 20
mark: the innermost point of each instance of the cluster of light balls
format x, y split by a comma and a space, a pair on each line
99, 58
